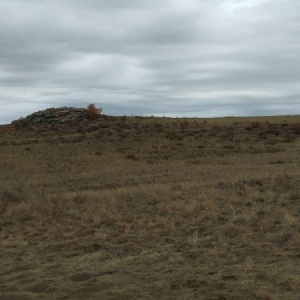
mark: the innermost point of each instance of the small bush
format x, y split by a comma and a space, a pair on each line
7, 199
173, 135
283, 182
239, 187
93, 112
296, 128
132, 157
288, 139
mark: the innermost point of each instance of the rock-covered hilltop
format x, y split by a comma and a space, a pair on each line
60, 115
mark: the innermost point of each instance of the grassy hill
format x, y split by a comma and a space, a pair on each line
150, 208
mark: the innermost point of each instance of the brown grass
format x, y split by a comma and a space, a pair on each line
151, 208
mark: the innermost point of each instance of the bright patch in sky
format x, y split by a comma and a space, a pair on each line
234, 5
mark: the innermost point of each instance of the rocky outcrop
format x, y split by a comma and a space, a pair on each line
53, 116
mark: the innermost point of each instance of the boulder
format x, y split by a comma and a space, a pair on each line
53, 116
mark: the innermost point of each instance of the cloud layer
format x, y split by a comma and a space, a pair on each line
172, 57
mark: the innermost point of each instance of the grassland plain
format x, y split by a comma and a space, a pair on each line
151, 208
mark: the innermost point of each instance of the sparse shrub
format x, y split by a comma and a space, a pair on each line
184, 124
262, 135
93, 112
296, 128
79, 199
294, 196
58, 206
283, 182
288, 139
254, 125
196, 162
173, 135
212, 133
8, 198
229, 135
279, 162
272, 142
273, 129
229, 146
159, 128
239, 187
132, 157
284, 125
52, 209
273, 150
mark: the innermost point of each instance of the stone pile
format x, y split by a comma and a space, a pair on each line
53, 116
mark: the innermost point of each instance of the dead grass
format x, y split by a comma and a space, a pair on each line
147, 208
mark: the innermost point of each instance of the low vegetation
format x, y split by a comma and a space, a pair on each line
93, 112
151, 208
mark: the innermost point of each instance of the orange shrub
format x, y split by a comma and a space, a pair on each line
93, 112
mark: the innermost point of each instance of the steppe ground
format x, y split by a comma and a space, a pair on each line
151, 208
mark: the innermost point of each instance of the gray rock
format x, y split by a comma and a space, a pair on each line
53, 116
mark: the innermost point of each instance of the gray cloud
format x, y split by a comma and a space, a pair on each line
172, 58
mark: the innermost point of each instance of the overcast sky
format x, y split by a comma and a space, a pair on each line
194, 58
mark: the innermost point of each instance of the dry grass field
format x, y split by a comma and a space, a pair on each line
151, 208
